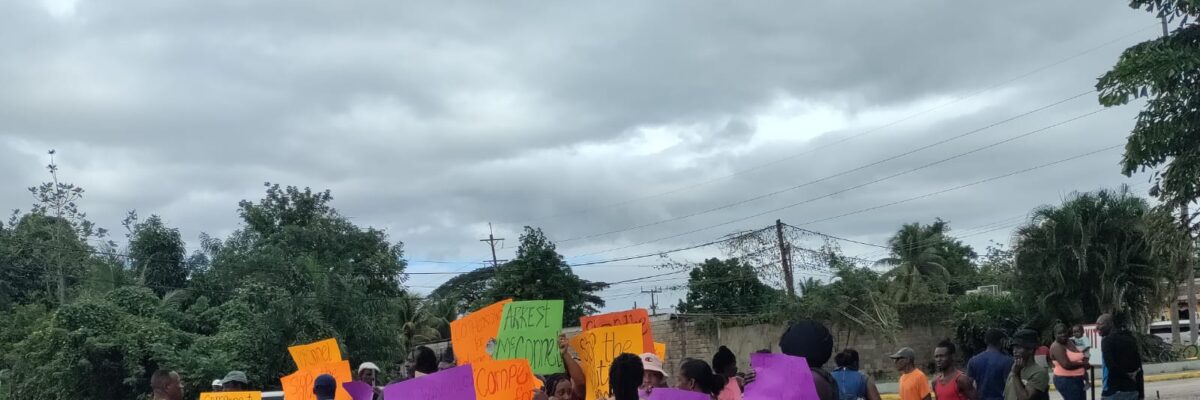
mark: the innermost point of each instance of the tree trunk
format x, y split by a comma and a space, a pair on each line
1173, 309
1191, 289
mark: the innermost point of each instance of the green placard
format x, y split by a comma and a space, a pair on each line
529, 330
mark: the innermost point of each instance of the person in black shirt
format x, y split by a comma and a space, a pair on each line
1122, 359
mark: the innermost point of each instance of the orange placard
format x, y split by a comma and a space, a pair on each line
597, 348
470, 334
299, 385
660, 350
315, 353
231, 396
634, 316
504, 380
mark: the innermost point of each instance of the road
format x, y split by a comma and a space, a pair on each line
1183, 389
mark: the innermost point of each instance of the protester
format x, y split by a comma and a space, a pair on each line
653, 375
990, 368
577, 382
1122, 361
950, 383
166, 385
1081, 342
696, 376
325, 387
1027, 380
558, 387
625, 376
447, 360
1070, 365
724, 363
235, 381
913, 383
368, 373
424, 362
852, 384
811, 340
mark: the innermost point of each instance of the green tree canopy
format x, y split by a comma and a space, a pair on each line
539, 273
157, 254
927, 262
1092, 254
726, 287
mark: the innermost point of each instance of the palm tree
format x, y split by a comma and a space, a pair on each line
418, 324
917, 261
1093, 254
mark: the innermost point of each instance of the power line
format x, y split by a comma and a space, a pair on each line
851, 137
978, 149
966, 185
839, 174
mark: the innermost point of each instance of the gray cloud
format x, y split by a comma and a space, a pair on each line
429, 121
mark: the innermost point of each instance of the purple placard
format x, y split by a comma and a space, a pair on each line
780, 377
676, 394
359, 390
456, 383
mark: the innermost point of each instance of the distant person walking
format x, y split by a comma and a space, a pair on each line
696, 376
990, 368
913, 383
368, 373
1122, 361
1027, 380
950, 383
166, 385
653, 375
1070, 365
625, 376
852, 384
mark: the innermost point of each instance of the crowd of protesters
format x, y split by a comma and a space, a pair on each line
1006, 370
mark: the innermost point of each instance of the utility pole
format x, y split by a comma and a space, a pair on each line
653, 300
492, 242
783, 259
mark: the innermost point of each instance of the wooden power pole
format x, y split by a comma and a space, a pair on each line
784, 261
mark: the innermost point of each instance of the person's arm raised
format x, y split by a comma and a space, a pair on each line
578, 380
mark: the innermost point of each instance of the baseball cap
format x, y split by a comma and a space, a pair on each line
905, 352
368, 365
216, 383
650, 362
235, 376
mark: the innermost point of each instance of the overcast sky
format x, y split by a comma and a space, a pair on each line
430, 120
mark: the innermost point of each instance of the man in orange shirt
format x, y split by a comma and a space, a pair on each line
913, 383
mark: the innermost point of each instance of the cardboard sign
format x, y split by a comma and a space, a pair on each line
529, 330
315, 353
359, 390
451, 384
469, 335
676, 394
634, 316
780, 377
504, 380
598, 347
299, 385
231, 396
660, 350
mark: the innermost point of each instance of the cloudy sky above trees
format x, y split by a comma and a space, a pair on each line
430, 120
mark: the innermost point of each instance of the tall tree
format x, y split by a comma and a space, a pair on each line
539, 273
1166, 137
1091, 255
468, 291
157, 253
727, 287
925, 262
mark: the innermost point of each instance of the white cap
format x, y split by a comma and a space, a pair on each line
216, 383
368, 365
